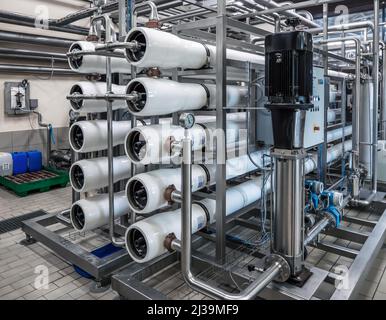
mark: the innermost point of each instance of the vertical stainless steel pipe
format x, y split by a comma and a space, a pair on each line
374, 179
110, 139
288, 208
273, 272
383, 113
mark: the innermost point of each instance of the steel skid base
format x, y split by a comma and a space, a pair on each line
161, 278
37, 230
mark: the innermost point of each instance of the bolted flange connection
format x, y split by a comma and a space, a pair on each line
168, 241
285, 270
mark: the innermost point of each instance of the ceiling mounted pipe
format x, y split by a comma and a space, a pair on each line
89, 64
155, 96
176, 52
148, 192
90, 136
145, 239
152, 144
91, 174
95, 88
92, 213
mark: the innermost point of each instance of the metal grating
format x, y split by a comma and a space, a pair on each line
16, 223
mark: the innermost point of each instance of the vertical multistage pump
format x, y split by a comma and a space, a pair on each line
289, 78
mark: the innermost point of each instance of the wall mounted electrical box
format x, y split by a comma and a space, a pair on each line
314, 126
17, 98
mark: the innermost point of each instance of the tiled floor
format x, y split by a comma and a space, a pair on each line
20, 266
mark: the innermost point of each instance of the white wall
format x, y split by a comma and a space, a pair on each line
51, 93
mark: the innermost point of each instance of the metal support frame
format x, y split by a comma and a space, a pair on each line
100, 269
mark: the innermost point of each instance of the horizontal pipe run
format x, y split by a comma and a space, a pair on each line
316, 230
8, 68
43, 54
19, 19
35, 39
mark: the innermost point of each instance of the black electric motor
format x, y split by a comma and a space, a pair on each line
289, 85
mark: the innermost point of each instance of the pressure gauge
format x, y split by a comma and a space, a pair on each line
187, 120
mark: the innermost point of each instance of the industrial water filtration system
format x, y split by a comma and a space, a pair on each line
181, 154
289, 78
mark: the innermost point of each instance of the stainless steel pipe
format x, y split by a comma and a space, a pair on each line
185, 246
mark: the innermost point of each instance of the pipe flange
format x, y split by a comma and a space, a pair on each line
285, 270
153, 73
168, 241
168, 194
153, 24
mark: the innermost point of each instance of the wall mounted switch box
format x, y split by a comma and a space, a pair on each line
17, 98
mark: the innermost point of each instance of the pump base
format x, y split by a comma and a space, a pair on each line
301, 279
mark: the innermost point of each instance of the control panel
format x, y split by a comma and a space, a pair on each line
314, 126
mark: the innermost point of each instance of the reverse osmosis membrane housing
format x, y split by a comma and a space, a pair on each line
152, 144
90, 136
166, 50
91, 174
95, 88
163, 96
146, 192
95, 63
92, 213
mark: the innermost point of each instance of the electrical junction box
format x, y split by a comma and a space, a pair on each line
16, 98
314, 126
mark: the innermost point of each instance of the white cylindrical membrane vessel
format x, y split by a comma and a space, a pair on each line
95, 88
146, 191
166, 50
90, 136
91, 174
337, 133
95, 64
331, 116
145, 239
151, 144
92, 213
163, 96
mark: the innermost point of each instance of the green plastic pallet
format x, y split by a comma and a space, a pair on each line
43, 181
